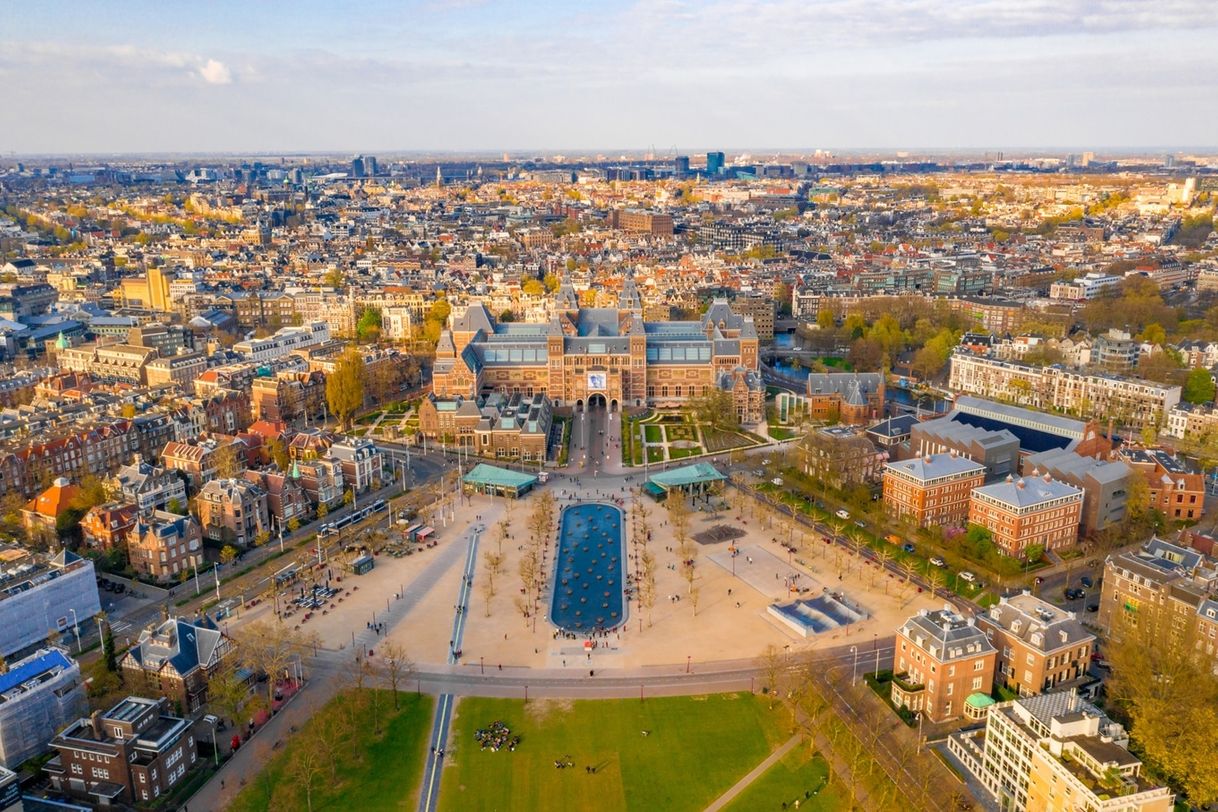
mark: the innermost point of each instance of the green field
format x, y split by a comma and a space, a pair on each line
653, 434
797, 776
372, 772
695, 749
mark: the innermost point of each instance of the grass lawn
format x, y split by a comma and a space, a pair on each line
696, 748
797, 773
678, 453
374, 773
653, 434
781, 432
655, 453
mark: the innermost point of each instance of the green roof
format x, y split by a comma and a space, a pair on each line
979, 700
688, 475
484, 474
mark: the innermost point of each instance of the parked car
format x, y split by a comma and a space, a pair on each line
968, 576
1039, 580
1093, 607
936, 561
908, 547
777, 481
1074, 593
842, 514
1086, 581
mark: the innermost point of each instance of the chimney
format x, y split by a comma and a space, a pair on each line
95, 721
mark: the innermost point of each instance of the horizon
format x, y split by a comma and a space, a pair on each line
140, 78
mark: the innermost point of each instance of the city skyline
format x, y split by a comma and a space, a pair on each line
543, 77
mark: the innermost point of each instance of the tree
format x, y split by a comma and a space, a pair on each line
398, 667
228, 554
227, 461
345, 387
1199, 386
368, 328
323, 510
865, 354
306, 766
228, 692
1033, 553
715, 408
825, 319
335, 279
533, 287
1159, 667
773, 661
277, 451
270, 648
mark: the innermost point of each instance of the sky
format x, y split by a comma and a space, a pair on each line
685, 75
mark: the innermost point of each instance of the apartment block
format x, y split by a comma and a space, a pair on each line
1020, 513
135, 752
1127, 401
1057, 753
1041, 647
38, 595
932, 490
1162, 577
941, 659
285, 341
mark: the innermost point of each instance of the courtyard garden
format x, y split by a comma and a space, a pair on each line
678, 435
675, 753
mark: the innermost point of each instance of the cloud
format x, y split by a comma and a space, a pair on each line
215, 73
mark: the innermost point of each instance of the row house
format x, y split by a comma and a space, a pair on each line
1168, 586
196, 461
179, 370
942, 658
150, 487
321, 479
290, 397
227, 411
1176, 488
164, 546
285, 497
1041, 647
135, 752
1128, 402
233, 511
106, 527
99, 451
362, 463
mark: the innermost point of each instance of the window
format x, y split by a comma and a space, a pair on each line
976, 683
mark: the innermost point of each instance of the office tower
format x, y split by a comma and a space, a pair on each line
714, 163
680, 166
357, 166
370, 165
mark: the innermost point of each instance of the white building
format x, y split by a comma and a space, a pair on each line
39, 597
284, 342
38, 695
1084, 287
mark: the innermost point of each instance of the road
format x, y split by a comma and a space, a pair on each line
430, 794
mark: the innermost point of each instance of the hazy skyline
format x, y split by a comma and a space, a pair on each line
266, 77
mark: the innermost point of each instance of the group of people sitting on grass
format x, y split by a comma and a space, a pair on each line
496, 737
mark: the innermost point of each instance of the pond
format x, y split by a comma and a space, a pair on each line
589, 569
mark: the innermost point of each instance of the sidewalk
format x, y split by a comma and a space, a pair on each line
755, 773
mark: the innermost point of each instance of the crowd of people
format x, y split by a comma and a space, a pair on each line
496, 737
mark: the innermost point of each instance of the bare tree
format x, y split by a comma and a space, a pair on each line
398, 667
269, 648
306, 766
772, 663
